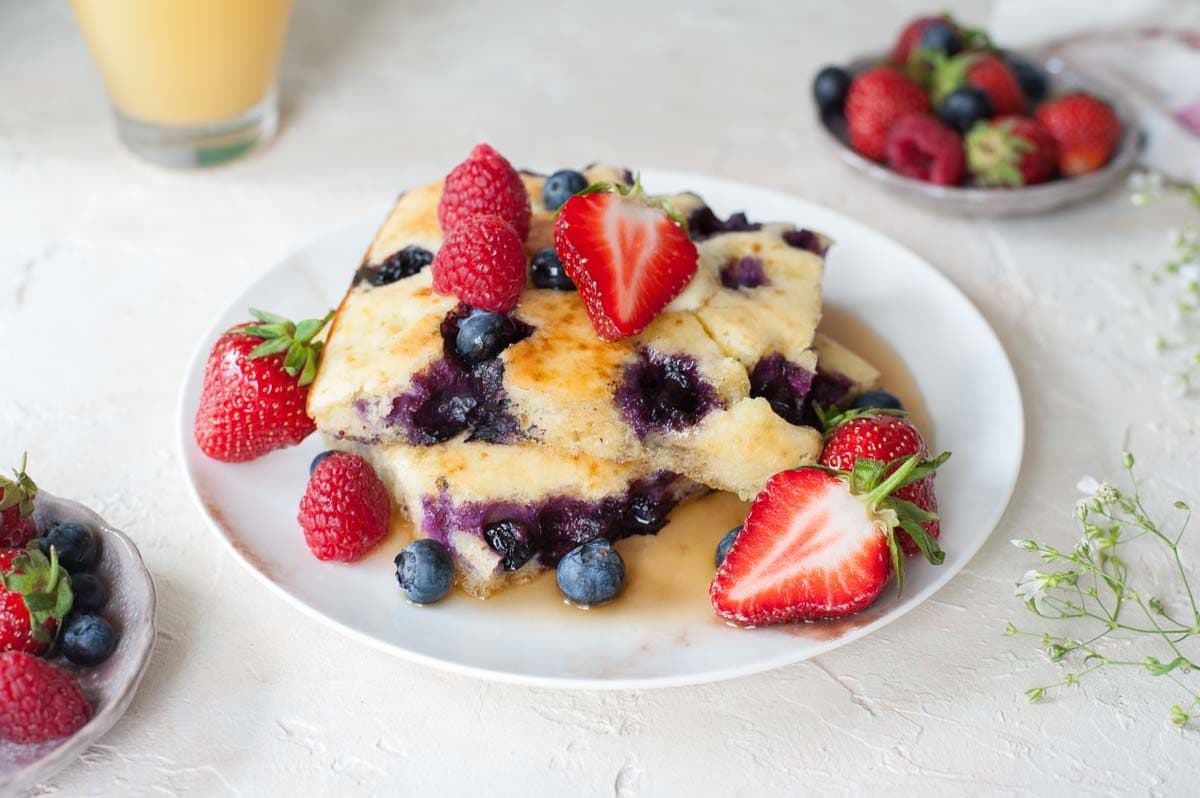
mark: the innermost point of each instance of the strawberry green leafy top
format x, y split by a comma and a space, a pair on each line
281, 335
19, 491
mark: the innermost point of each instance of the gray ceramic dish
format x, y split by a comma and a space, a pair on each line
965, 201
109, 686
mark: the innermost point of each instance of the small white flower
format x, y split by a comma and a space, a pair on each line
1024, 544
1107, 494
1085, 544
1032, 587
1190, 271
1145, 186
1087, 485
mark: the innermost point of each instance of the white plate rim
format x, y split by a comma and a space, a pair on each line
194, 368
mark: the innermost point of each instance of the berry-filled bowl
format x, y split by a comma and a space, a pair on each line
111, 583
947, 120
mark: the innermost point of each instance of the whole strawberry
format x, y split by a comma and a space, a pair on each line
1086, 129
921, 147
884, 437
17, 496
255, 388
983, 71
38, 700
482, 262
35, 596
909, 40
1011, 151
485, 183
876, 100
345, 510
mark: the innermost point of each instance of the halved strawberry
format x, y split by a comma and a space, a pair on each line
820, 544
628, 254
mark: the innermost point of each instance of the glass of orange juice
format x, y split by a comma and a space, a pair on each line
193, 82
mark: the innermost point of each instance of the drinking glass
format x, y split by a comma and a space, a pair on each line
192, 82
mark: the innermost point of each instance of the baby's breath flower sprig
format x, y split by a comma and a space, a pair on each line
1089, 589
1174, 287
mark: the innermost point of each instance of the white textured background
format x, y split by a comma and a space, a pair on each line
110, 270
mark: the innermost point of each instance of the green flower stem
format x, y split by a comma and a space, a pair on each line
1094, 589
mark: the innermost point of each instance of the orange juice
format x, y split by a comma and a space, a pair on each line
185, 62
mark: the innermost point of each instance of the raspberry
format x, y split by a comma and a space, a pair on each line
920, 146
345, 509
485, 183
482, 262
38, 701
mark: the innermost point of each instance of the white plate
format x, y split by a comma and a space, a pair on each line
970, 392
109, 686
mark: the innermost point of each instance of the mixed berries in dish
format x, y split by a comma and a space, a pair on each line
52, 620
948, 107
532, 368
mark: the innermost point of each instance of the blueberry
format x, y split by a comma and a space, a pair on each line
316, 461
76, 545
645, 516
89, 591
726, 544
547, 271
510, 539
830, 87
1034, 83
591, 574
962, 108
424, 571
877, 400
483, 335
941, 37
560, 186
399, 265
87, 639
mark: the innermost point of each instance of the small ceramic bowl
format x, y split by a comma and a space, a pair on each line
983, 202
109, 686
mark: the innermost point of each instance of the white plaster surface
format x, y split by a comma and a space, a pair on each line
110, 269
